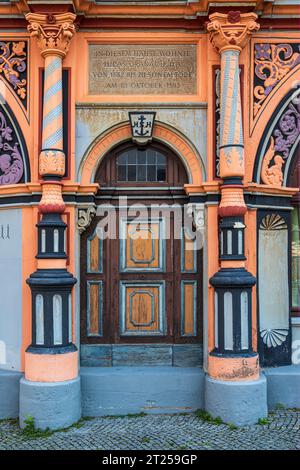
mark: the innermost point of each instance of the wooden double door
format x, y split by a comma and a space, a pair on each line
142, 283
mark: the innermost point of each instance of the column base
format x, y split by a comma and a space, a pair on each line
238, 402
52, 405
9, 393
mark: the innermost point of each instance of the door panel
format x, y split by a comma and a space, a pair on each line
142, 246
188, 254
94, 308
142, 308
189, 308
94, 254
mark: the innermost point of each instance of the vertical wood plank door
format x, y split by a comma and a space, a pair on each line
142, 285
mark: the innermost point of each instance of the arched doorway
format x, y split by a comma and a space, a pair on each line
143, 283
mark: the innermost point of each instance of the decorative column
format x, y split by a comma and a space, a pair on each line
234, 389
50, 390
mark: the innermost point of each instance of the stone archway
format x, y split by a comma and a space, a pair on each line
171, 138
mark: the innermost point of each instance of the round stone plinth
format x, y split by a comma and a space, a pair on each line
52, 405
241, 403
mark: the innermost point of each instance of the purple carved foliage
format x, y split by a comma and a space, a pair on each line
11, 163
287, 129
272, 63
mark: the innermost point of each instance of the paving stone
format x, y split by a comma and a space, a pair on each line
161, 432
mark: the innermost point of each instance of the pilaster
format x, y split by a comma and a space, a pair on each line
51, 360
233, 359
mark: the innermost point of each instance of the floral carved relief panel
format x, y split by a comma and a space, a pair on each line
13, 68
271, 64
280, 143
13, 154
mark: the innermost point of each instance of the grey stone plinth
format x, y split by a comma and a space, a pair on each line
239, 403
126, 390
9, 393
52, 405
283, 384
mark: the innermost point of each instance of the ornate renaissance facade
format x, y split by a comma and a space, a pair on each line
149, 208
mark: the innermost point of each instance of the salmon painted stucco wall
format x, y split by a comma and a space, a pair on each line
91, 116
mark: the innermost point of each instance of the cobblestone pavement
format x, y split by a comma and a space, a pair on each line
159, 432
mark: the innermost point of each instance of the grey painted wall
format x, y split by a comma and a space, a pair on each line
10, 288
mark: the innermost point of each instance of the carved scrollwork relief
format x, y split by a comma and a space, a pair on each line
85, 217
197, 212
272, 63
13, 67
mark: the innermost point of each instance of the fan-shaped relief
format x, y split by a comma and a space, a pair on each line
274, 337
273, 222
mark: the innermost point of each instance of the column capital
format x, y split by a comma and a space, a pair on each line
231, 31
53, 32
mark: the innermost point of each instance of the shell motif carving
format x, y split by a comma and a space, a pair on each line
273, 222
274, 337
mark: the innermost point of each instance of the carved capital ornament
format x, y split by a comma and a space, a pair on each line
231, 31
53, 32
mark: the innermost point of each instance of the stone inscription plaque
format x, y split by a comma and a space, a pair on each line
142, 69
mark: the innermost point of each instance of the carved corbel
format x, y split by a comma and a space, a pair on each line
85, 217
197, 212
